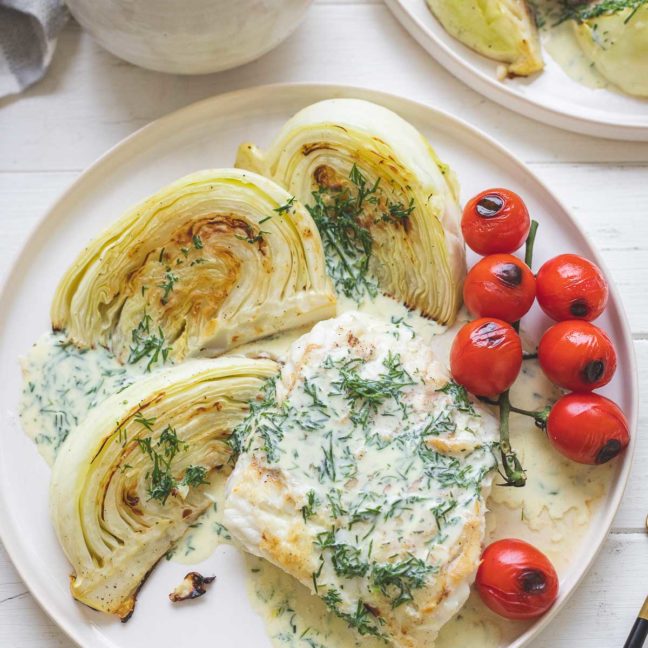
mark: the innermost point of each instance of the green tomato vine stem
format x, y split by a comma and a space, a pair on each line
513, 472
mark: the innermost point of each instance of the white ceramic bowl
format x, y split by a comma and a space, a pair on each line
189, 36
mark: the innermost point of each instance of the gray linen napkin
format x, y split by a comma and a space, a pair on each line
28, 30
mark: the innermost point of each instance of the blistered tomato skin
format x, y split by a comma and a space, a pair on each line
588, 428
516, 580
577, 355
501, 286
571, 287
486, 356
495, 221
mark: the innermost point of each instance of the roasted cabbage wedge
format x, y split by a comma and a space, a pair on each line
131, 478
214, 260
503, 30
386, 206
616, 41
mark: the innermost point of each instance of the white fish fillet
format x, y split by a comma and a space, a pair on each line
363, 474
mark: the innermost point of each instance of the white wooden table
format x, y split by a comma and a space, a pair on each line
90, 100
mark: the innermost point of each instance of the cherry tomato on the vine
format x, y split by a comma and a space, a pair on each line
486, 356
577, 355
571, 287
495, 220
587, 428
500, 285
516, 580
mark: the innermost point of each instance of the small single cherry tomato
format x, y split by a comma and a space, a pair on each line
500, 285
486, 356
587, 428
571, 287
494, 221
577, 355
516, 580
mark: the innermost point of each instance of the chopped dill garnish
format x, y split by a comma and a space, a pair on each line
459, 396
586, 11
339, 214
222, 531
265, 418
346, 559
327, 467
197, 242
363, 620
285, 208
441, 510
252, 239
162, 483
397, 212
148, 344
162, 453
167, 286
366, 394
397, 580
308, 510
195, 476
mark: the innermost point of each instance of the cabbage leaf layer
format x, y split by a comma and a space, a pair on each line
503, 30
131, 478
214, 260
385, 205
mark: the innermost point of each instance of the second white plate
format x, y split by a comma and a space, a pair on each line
551, 96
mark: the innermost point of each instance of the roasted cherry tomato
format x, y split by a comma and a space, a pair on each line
577, 355
587, 428
486, 356
516, 580
571, 287
501, 286
496, 220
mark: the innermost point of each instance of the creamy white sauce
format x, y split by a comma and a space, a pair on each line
61, 384
553, 511
559, 42
208, 532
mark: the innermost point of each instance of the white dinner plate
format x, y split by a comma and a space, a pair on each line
551, 96
203, 135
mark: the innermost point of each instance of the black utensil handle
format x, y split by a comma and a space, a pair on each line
639, 631
637, 635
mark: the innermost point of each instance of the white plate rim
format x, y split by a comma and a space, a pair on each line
618, 127
11, 540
